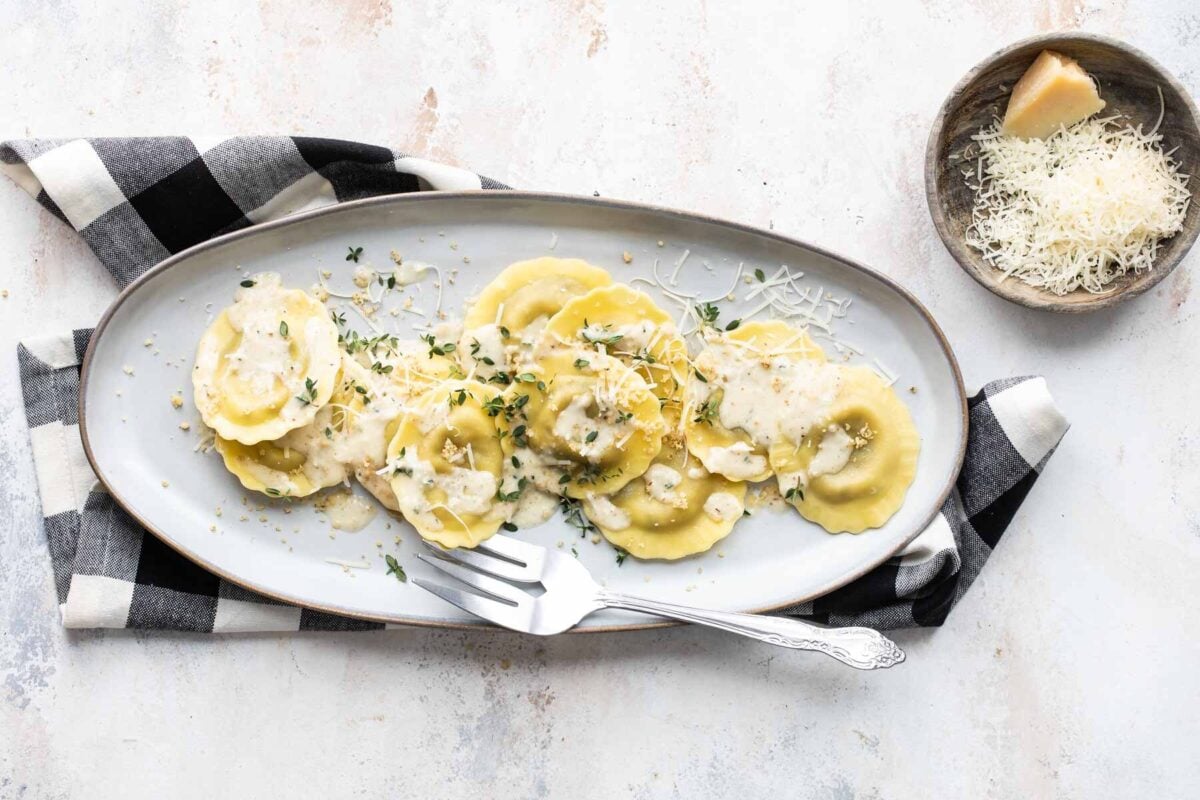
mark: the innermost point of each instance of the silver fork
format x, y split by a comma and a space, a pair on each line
571, 594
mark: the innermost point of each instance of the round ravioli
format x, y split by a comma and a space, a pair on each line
349, 432
267, 363
588, 415
741, 384
445, 464
521, 298
676, 509
630, 327
852, 472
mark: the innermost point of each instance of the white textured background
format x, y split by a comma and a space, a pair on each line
1068, 671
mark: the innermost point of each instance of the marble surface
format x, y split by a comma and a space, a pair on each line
1069, 669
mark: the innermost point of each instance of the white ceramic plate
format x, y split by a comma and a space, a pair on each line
771, 560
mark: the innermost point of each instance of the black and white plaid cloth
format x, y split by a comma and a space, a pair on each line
137, 201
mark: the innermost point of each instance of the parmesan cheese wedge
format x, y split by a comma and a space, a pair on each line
1054, 92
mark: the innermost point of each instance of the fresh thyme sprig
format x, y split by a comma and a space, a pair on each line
394, 568
309, 395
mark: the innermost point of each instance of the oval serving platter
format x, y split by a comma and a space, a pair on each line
143, 349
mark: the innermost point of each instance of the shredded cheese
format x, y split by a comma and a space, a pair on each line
1078, 209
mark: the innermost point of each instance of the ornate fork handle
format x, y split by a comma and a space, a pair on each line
861, 648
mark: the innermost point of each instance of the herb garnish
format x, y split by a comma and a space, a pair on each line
354, 253
246, 284
283, 329
494, 406
512, 497
309, 395
574, 516
709, 411
762, 278
436, 349
605, 338
708, 313
518, 435
644, 355
394, 568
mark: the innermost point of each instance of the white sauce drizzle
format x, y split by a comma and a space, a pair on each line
721, 506
605, 514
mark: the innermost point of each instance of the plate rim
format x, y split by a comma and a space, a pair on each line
496, 195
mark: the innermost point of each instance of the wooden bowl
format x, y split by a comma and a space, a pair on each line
1129, 81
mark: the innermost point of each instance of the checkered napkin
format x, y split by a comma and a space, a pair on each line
137, 201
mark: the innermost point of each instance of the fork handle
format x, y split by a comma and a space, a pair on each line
861, 648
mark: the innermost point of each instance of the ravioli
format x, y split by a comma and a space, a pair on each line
851, 472
513, 308
267, 364
445, 464
589, 417
629, 326
748, 387
676, 509
348, 433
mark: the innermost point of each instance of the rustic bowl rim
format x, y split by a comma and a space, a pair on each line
983, 273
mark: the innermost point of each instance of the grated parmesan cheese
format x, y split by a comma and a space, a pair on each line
1078, 209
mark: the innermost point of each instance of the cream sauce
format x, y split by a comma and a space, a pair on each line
605, 514
721, 506
660, 481
639, 335
533, 508
542, 472
589, 436
770, 397
348, 511
483, 344
833, 453
737, 462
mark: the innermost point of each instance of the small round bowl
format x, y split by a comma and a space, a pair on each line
1129, 82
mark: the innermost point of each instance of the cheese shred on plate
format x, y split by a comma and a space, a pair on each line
1077, 209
